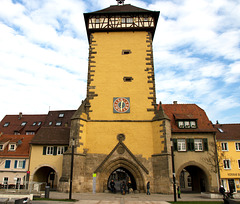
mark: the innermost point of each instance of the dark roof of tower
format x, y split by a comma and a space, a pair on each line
122, 9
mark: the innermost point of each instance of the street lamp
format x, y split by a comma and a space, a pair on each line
71, 173
173, 171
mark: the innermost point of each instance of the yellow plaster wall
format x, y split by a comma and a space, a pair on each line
158, 141
233, 156
102, 137
112, 66
38, 160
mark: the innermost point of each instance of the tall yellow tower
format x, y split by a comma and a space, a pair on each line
120, 134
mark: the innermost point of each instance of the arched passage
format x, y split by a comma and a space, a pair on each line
46, 175
122, 164
193, 177
121, 175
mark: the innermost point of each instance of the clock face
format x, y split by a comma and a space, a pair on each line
121, 105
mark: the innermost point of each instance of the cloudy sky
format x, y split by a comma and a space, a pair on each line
44, 51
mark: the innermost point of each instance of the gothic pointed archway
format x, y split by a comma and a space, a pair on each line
120, 163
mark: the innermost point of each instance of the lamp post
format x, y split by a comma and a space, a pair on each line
71, 172
173, 171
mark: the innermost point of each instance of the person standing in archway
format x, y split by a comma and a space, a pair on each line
129, 185
112, 185
148, 188
123, 188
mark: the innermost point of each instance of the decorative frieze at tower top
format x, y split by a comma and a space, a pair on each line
121, 17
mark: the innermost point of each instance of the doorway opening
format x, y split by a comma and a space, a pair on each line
118, 176
193, 179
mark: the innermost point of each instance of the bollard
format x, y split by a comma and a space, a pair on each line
47, 190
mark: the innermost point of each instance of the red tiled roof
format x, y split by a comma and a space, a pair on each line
15, 123
188, 111
22, 149
227, 131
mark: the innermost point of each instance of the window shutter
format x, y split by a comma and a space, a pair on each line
174, 144
55, 150
190, 144
44, 150
7, 164
65, 149
205, 144
15, 164
24, 162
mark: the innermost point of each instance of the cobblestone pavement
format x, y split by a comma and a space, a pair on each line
107, 198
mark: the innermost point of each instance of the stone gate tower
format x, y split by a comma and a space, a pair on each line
120, 133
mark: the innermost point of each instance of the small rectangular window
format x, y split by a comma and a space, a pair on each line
198, 145
239, 164
181, 144
30, 133
226, 164
180, 124
50, 123
12, 147
1, 147
49, 150
187, 124
126, 52
237, 144
35, 123
127, 79
193, 124
39, 123
60, 150
224, 146
5, 181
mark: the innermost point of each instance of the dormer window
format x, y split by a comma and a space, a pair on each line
187, 124
12, 147
61, 115
16, 133
39, 123
35, 123
30, 133
50, 123
6, 124
23, 123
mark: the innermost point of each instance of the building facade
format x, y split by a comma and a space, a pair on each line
118, 129
228, 141
193, 139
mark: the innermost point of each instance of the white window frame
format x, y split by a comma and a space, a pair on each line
224, 146
49, 150
5, 180
226, 164
181, 145
180, 124
237, 145
193, 124
18, 164
187, 124
60, 150
12, 145
198, 144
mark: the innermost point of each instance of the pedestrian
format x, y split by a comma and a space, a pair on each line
179, 192
129, 185
222, 191
123, 188
148, 188
112, 185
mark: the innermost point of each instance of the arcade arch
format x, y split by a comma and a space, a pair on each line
193, 177
46, 175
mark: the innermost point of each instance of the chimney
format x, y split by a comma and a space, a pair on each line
20, 115
174, 102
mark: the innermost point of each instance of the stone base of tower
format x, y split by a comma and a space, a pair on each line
139, 169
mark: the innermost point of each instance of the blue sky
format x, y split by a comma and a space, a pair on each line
44, 53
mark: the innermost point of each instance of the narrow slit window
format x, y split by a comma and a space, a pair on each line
126, 52
127, 79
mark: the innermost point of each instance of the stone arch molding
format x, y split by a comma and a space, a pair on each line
117, 159
193, 163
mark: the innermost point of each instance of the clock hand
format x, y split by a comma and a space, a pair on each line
121, 105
